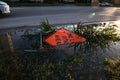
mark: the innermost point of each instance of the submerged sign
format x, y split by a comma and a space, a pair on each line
63, 36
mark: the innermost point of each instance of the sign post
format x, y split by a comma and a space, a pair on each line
40, 37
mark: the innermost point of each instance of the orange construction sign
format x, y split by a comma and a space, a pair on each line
63, 36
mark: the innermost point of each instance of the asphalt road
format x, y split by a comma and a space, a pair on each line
30, 16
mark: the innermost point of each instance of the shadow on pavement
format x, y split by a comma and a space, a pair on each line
4, 15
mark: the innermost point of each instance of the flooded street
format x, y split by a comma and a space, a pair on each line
92, 55
21, 42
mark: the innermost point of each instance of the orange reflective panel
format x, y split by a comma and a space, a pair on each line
63, 36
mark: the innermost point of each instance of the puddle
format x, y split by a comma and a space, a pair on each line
22, 43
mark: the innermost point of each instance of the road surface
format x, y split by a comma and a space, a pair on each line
30, 16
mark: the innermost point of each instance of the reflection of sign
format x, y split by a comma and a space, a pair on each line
63, 36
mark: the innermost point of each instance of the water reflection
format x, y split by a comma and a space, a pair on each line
23, 38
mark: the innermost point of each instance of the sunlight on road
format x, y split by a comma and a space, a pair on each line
118, 27
108, 11
92, 15
105, 12
117, 22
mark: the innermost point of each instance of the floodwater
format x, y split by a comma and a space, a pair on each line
24, 43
